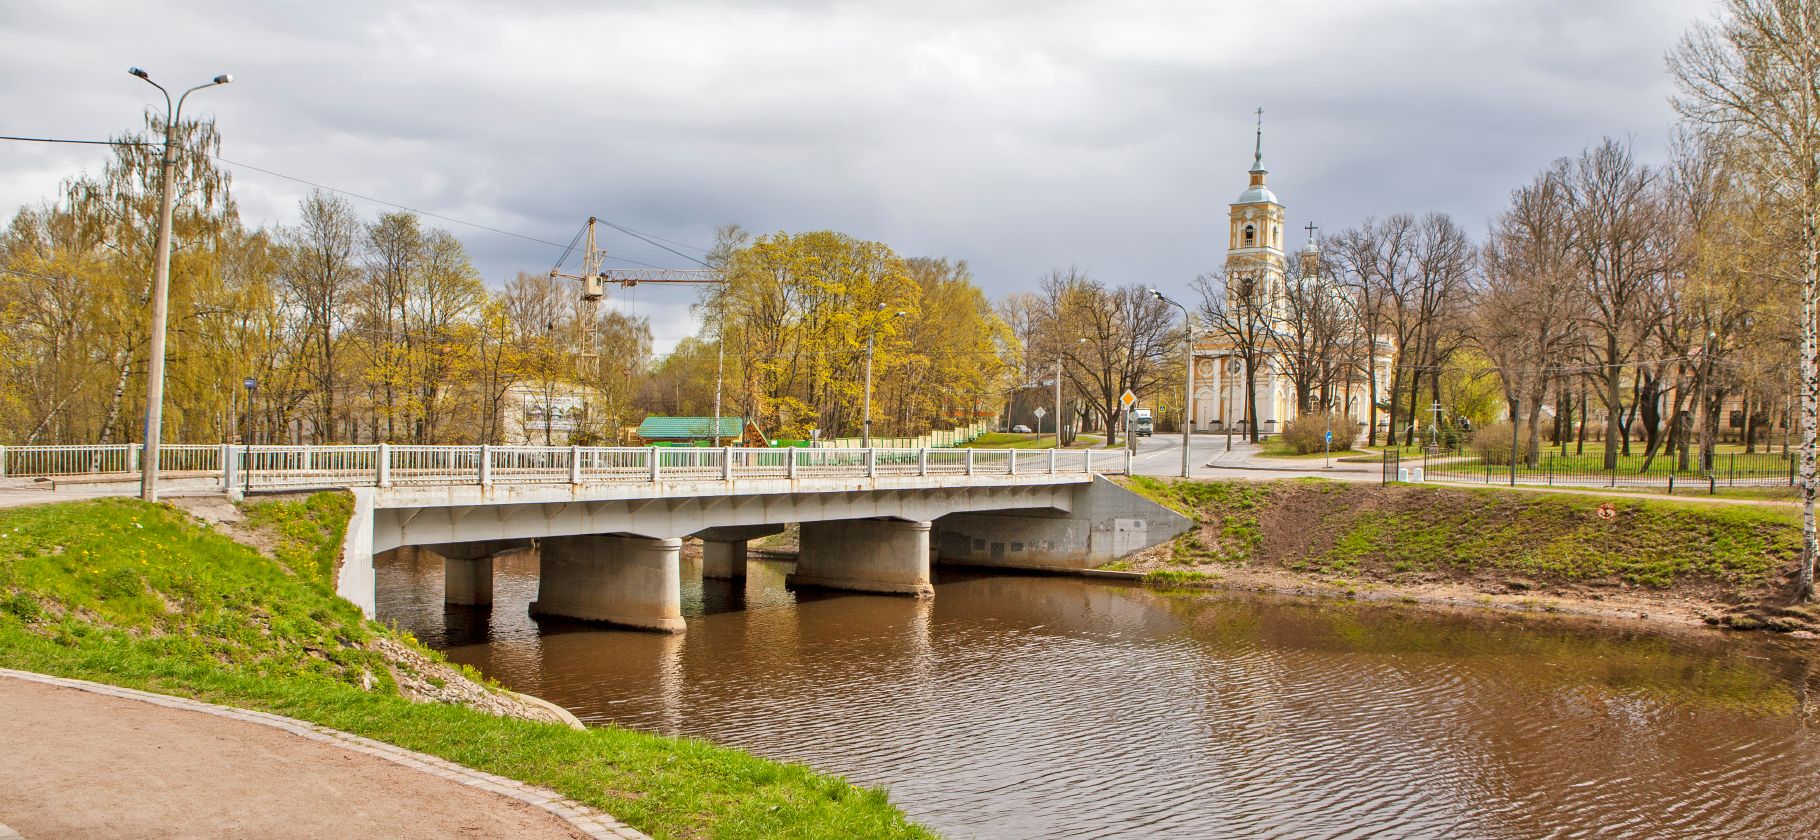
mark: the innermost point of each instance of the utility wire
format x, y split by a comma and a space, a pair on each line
368, 198
630, 232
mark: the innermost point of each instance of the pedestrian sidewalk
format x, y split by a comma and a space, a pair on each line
85, 759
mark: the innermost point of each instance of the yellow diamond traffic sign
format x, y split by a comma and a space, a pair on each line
1128, 400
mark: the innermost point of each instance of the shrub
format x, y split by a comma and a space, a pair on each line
1493, 443
1309, 432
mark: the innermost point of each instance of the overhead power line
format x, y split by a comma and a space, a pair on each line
489, 228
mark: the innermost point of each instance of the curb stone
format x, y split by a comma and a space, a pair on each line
589, 820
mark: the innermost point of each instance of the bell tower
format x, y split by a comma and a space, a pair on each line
1254, 252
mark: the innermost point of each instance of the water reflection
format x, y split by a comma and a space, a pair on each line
1024, 707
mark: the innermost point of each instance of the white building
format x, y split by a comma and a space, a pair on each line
1254, 251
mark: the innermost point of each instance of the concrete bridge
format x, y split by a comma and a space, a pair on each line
609, 523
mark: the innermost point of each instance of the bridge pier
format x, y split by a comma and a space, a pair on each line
628, 581
467, 568
723, 549
867, 555
468, 582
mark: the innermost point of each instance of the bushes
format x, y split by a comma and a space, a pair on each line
1493, 443
1308, 433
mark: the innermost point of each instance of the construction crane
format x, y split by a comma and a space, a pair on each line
594, 280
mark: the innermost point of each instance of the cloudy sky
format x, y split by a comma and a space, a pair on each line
1019, 136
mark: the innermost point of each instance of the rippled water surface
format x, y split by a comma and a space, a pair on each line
1013, 707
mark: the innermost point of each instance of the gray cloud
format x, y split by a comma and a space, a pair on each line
1019, 136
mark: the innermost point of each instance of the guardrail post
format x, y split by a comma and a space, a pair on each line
790, 466
871, 463
1127, 461
138, 455
1087, 461
651, 453
574, 465
2, 462
922, 461
486, 465
1011, 462
383, 465
969, 460
726, 463
1052, 462
227, 466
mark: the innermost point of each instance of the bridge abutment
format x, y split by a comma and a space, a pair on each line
866, 555
629, 581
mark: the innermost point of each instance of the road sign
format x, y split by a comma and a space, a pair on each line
1128, 400
1039, 412
1330, 437
250, 383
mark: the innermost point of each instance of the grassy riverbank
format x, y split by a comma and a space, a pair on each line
144, 596
1681, 560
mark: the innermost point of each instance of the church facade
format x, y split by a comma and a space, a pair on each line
1256, 263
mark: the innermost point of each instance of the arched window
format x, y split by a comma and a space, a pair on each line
1251, 236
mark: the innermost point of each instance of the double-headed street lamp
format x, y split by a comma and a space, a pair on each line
161, 282
1188, 404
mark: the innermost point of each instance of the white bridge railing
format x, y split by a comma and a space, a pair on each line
386, 465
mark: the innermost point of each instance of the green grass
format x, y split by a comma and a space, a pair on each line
1285, 451
121, 592
1557, 537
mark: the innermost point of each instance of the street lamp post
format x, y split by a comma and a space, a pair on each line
1187, 328
161, 281
866, 425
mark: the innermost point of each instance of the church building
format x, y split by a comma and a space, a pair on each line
1254, 255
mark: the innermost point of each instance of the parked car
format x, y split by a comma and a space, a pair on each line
1020, 430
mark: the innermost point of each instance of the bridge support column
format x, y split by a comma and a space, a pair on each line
629, 581
468, 582
467, 568
723, 560
723, 549
867, 555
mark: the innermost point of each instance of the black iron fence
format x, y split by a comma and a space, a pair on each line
1713, 472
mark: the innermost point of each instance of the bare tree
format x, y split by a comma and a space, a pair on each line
1755, 74
320, 269
1313, 333
1113, 340
1237, 305
1613, 217
1526, 308
1370, 260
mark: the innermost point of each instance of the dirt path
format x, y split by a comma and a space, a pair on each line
79, 764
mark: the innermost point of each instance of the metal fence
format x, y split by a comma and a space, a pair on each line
386, 465
1761, 469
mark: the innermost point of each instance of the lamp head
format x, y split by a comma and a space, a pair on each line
140, 73
900, 314
223, 79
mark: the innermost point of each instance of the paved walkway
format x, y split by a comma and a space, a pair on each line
83, 760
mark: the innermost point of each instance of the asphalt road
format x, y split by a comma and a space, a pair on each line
1209, 457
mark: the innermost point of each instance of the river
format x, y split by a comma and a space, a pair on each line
1019, 707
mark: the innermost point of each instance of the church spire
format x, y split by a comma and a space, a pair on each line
1257, 159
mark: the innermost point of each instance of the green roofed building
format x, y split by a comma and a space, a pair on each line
694, 431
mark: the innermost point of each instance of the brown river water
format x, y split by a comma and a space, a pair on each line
1019, 707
